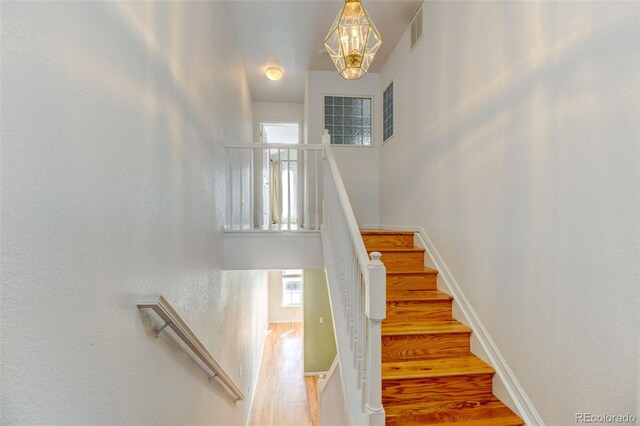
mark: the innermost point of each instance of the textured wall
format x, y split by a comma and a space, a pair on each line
516, 147
319, 339
264, 112
113, 115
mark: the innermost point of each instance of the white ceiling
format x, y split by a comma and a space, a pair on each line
289, 34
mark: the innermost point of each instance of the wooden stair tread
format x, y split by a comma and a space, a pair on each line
402, 270
389, 249
400, 239
434, 326
385, 232
486, 412
417, 295
429, 375
435, 367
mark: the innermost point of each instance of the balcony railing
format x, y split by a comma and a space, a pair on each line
273, 187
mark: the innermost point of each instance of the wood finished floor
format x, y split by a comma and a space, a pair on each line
281, 397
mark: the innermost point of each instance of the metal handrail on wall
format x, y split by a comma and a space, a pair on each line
173, 320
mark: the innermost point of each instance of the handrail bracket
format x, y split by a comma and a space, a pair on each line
172, 318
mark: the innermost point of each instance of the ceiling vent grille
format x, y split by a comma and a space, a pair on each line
416, 28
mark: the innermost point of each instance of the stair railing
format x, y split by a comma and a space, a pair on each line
272, 187
357, 288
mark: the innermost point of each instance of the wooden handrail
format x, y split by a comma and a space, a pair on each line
172, 319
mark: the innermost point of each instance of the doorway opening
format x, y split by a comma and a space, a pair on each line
280, 177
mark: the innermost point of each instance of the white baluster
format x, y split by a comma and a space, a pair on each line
351, 294
270, 192
359, 312
279, 207
317, 217
356, 316
241, 177
354, 299
347, 289
363, 346
289, 188
231, 190
229, 186
252, 212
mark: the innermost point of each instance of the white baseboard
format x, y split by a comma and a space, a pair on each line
523, 405
284, 321
316, 373
368, 226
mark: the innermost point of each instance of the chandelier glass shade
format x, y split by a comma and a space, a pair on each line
353, 41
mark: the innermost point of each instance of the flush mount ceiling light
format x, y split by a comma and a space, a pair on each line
352, 41
273, 73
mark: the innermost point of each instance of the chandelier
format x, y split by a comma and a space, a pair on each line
352, 41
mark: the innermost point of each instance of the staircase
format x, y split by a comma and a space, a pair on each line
429, 375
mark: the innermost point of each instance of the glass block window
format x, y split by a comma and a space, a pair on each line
387, 113
348, 120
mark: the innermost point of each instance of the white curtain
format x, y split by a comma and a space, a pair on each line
276, 191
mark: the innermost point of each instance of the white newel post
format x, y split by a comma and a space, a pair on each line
376, 306
326, 141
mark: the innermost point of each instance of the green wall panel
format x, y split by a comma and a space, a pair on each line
319, 339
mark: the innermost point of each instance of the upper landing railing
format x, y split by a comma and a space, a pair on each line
273, 187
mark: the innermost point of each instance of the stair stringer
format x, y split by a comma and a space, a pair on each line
519, 401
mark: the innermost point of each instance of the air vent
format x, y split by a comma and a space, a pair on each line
416, 28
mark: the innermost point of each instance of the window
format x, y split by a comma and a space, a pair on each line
348, 120
291, 287
387, 113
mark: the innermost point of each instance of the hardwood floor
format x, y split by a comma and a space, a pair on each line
429, 375
281, 394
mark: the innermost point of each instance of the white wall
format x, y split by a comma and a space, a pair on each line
517, 149
113, 189
271, 250
276, 312
264, 112
359, 166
